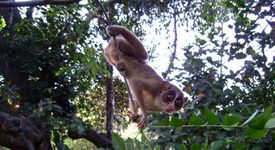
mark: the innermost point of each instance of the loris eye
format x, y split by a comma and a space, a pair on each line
178, 103
170, 96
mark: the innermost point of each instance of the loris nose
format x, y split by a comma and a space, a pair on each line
169, 109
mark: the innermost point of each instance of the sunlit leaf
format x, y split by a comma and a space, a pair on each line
217, 145
200, 41
251, 117
270, 123
259, 121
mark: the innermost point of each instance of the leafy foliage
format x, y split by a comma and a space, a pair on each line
226, 101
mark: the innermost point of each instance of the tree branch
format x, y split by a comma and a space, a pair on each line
100, 140
36, 2
22, 133
173, 55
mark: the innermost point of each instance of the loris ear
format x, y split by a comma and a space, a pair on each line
165, 85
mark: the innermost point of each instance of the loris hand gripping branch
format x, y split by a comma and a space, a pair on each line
150, 92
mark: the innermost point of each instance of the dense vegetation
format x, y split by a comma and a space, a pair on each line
56, 88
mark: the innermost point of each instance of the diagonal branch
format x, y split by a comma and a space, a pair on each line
173, 55
36, 2
99, 139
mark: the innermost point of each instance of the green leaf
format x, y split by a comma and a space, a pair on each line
217, 145
2, 23
210, 117
230, 26
146, 142
250, 50
118, 142
255, 134
209, 59
240, 55
200, 41
239, 146
164, 122
251, 117
270, 123
194, 120
259, 122
176, 122
195, 146
231, 120
101, 57
158, 147
61, 71
182, 147
130, 144
268, 110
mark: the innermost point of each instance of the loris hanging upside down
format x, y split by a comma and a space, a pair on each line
150, 92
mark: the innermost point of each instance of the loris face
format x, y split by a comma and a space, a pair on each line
171, 98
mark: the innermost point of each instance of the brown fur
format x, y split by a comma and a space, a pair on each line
150, 92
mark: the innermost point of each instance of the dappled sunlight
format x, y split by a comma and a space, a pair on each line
131, 131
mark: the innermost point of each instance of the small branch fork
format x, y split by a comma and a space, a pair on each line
8, 3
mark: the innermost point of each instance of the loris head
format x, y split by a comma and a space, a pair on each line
170, 97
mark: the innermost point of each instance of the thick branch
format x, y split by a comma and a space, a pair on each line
21, 133
100, 140
109, 103
36, 2
110, 87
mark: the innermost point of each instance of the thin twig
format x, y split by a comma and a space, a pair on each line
173, 55
200, 126
105, 13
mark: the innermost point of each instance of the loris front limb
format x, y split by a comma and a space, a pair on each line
127, 42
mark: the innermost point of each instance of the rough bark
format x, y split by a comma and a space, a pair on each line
99, 139
22, 133
109, 103
110, 88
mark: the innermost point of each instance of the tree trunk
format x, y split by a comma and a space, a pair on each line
22, 133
